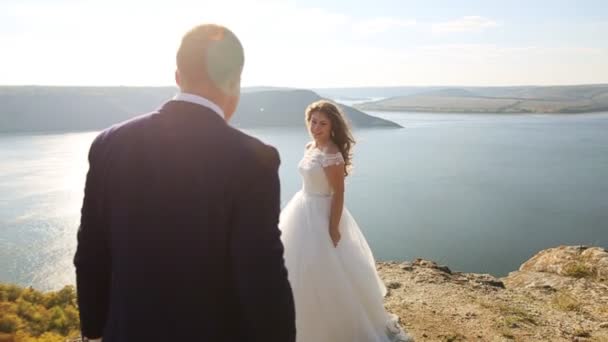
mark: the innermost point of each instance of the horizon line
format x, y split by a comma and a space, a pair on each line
309, 88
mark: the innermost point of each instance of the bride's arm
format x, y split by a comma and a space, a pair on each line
335, 176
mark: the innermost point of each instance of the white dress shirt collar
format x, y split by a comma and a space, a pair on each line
187, 97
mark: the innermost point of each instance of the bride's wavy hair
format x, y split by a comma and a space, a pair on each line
340, 130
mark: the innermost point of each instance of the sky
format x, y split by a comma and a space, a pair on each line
310, 44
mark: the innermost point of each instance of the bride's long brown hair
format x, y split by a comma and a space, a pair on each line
340, 131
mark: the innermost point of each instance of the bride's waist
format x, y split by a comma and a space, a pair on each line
312, 193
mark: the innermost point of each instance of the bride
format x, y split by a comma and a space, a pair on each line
338, 293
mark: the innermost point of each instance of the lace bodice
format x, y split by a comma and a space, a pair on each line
311, 169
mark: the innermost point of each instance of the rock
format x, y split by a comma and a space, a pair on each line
574, 261
538, 302
431, 264
393, 285
542, 287
487, 279
538, 280
460, 279
444, 268
407, 266
424, 263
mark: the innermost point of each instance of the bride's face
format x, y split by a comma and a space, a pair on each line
319, 127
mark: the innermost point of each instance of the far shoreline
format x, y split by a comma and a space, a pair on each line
441, 111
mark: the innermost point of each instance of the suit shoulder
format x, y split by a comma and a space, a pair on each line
125, 129
118, 134
256, 151
130, 126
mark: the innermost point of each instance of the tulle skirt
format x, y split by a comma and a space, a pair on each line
338, 294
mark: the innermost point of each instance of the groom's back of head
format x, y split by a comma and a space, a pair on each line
210, 55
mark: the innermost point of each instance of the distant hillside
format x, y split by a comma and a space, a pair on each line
356, 93
24, 109
37, 108
286, 107
525, 99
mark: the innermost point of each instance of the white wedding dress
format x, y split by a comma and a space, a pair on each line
338, 294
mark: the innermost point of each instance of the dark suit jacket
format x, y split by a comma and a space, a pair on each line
178, 238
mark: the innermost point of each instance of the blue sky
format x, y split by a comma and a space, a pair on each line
316, 43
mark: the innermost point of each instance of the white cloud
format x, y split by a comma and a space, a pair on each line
477, 52
449, 64
285, 45
380, 25
464, 24
489, 64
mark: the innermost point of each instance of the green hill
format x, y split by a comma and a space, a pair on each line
525, 99
286, 108
37, 108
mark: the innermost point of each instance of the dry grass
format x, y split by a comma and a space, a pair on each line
6, 337
506, 333
580, 332
566, 302
455, 337
577, 269
515, 316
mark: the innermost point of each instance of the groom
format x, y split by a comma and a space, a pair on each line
178, 238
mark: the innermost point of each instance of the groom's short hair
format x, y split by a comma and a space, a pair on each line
210, 53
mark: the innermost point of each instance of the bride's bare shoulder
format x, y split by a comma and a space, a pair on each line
309, 145
332, 149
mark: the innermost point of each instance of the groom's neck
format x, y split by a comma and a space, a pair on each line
209, 93
205, 92
226, 102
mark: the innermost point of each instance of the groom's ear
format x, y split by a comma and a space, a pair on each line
235, 87
230, 88
232, 94
178, 80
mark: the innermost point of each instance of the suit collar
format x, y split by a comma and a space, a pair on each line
191, 110
199, 100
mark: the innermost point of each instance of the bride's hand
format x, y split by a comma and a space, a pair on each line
335, 236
